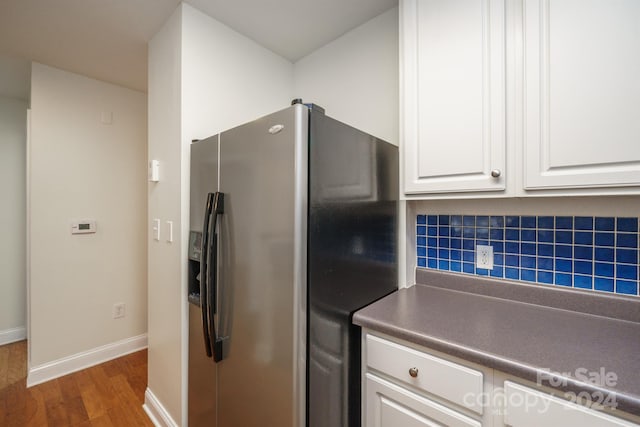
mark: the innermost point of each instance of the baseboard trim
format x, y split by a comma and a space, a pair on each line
85, 359
12, 335
157, 413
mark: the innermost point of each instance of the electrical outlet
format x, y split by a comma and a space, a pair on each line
118, 310
484, 257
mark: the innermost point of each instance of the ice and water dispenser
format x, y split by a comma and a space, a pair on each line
195, 251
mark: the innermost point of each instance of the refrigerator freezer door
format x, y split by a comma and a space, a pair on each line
204, 178
262, 295
202, 369
202, 380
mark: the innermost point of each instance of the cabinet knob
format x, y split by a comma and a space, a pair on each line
496, 173
413, 372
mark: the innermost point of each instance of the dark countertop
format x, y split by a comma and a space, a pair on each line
522, 339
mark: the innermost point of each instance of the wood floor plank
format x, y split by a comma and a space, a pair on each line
130, 367
36, 414
17, 361
139, 386
4, 366
107, 395
130, 400
15, 396
53, 403
4, 415
121, 417
56, 413
16, 401
103, 385
76, 412
103, 421
69, 387
114, 367
50, 390
83, 379
93, 402
138, 358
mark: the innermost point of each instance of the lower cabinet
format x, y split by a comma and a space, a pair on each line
390, 405
526, 407
405, 385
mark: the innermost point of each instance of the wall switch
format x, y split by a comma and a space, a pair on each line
484, 257
169, 231
118, 310
156, 229
106, 118
154, 170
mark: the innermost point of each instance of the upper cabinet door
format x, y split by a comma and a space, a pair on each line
453, 60
581, 93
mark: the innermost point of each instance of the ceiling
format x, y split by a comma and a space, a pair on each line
107, 39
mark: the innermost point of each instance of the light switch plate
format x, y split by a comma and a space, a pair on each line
170, 231
154, 170
156, 229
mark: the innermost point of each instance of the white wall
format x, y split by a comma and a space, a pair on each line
355, 77
227, 78
13, 142
203, 78
82, 168
15, 78
165, 260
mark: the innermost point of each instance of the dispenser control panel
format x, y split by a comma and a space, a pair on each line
195, 245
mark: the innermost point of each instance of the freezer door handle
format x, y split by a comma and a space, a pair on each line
204, 276
212, 280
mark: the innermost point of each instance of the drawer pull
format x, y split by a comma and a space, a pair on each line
413, 372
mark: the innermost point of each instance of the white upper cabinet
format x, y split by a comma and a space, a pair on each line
581, 93
453, 74
520, 97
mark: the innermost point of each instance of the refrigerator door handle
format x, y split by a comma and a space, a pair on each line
204, 276
212, 280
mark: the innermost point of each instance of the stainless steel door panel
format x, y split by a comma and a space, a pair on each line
202, 378
260, 293
202, 370
204, 178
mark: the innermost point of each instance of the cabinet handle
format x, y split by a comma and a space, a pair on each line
413, 372
496, 173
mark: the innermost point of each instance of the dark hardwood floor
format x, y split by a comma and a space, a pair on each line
106, 395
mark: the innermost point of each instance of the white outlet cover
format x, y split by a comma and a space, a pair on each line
484, 257
118, 310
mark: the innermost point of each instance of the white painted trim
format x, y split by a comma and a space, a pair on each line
157, 413
86, 359
12, 335
28, 236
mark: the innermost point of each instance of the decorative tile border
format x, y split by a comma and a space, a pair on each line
597, 253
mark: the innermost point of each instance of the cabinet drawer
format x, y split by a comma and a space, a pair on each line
453, 382
389, 405
526, 407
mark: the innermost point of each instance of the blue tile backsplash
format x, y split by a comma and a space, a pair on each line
584, 252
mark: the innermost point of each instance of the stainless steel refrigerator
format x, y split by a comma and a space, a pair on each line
293, 228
